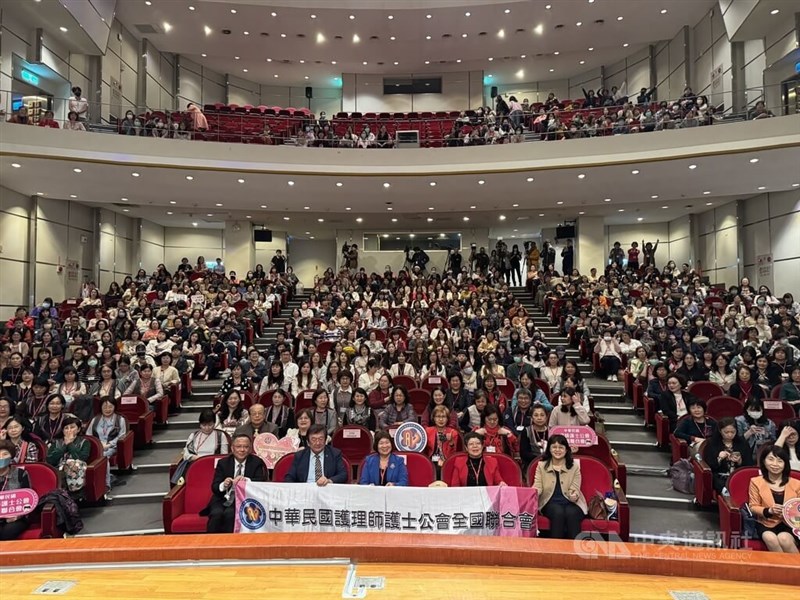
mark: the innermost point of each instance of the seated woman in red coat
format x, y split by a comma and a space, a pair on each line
442, 438
496, 437
476, 468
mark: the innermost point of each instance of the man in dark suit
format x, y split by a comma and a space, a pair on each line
318, 463
241, 465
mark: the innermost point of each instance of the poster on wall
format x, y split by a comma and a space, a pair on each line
764, 270
72, 272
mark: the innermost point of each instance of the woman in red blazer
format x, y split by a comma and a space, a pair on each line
476, 468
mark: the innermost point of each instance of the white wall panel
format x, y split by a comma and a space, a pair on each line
786, 279
782, 203
756, 240
680, 251
785, 236
756, 209
12, 295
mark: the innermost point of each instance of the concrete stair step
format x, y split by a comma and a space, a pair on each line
112, 519
675, 524
149, 486
613, 409
655, 492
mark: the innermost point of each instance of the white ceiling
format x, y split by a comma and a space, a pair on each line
552, 197
528, 28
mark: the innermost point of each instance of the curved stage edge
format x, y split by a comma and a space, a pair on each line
643, 559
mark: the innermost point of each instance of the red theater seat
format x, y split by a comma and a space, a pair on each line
96, 469
42, 523
509, 469
354, 441
595, 478
705, 390
141, 416
181, 508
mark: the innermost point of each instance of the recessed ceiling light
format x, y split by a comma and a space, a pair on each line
458, 60
523, 55
236, 58
306, 208
263, 206
515, 205
339, 184
654, 196
219, 204
508, 10
209, 214
63, 29
796, 185
663, 11
692, 167
356, 38
762, 187
640, 218
578, 24
392, 38
754, 160
548, 6
347, 208
539, 29
275, 76
189, 178
541, 214
233, 11
427, 62
606, 199
204, 55
466, 218
171, 201
126, 210
283, 35
40, 193
246, 32
321, 220
285, 218
248, 217
581, 62
665, 207
207, 29
502, 217
313, 16
134, 174
635, 172
579, 212
169, 212
556, 53
619, 18
431, 208
481, 182
560, 202
290, 183
194, 224
582, 176
364, 62
473, 206
709, 203
387, 184
274, 14
147, 2
706, 193
463, 35
72, 196
77, 170
396, 63
16, 165
467, 14
621, 210
774, 11
432, 184
501, 33
394, 220
427, 37
351, 17
167, 27
244, 70
240, 180
625, 45
552, 70
490, 59
428, 16
390, 17
430, 219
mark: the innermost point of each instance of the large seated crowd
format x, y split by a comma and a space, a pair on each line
598, 113
455, 351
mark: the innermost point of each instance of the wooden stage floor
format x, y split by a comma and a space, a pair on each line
402, 581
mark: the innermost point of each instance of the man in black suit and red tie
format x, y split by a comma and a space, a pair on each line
319, 463
240, 465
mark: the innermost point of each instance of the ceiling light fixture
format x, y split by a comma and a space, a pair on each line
263, 206
356, 39
339, 184
167, 27
244, 70
390, 17
274, 14
560, 202
491, 59
625, 45
665, 207
233, 11
321, 220
508, 10
753, 160
621, 210
430, 219
431, 208
360, 220
63, 29
394, 220
515, 205
692, 167
286, 218
481, 182
126, 210
306, 208
16, 165
640, 218
313, 16
189, 178
72, 196
606, 199
654, 196
709, 203
556, 53
290, 183
548, 6
581, 62
428, 16
467, 14
774, 11
207, 29
466, 218
591, 49
619, 18
706, 193
473, 206
539, 29
173, 202
635, 172
351, 17
283, 35
581, 176
219, 204
432, 184
348, 208
501, 33
204, 55
134, 174
579, 23
387, 184
392, 38
502, 217
552, 70
240, 180
169, 212
762, 187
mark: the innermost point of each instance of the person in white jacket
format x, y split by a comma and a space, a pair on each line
570, 409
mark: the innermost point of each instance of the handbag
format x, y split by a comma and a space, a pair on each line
597, 507
74, 472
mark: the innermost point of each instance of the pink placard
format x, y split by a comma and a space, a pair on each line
270, 449
128, 400
308, 394
351, 434
578, 436
17, 503
435, 380
773, 404
501, 382
791, 514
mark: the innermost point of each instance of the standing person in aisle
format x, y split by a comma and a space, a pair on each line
633, 256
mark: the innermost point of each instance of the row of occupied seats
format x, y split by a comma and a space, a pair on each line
181, 507
261, 109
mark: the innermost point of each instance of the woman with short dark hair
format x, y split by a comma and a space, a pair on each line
475, 468
768, 494
558, 483
384, 468
11, 478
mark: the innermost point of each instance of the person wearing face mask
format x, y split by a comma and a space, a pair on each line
518, 366
44, 310
610, 356
11, 478
756, 429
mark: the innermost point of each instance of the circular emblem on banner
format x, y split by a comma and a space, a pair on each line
410, 437
252, 514
791, 514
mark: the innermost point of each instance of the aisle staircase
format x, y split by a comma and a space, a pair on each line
659, 514
135, 508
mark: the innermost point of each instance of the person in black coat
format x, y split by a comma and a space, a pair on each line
332, 468
241, 465
725, 452
675, 400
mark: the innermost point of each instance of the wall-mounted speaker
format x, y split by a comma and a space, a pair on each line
494, 92
309, 92
262, 235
